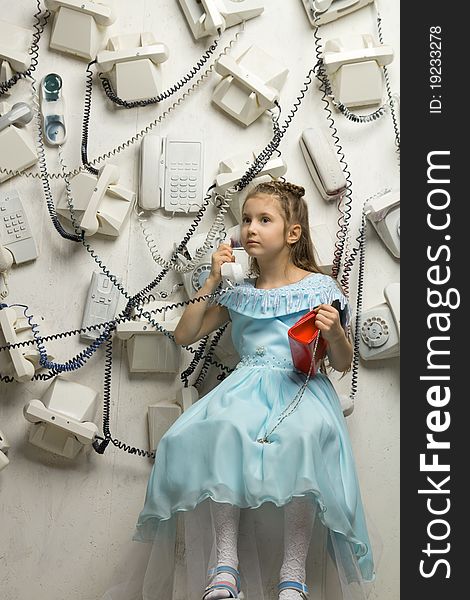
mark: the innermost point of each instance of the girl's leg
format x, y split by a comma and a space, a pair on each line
299, 516
225, 518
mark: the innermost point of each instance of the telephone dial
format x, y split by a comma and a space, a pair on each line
384, 214
330, 10
379, 335
206, 17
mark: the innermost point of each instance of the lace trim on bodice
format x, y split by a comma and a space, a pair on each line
307, 293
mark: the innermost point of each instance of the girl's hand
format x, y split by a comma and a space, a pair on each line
223, 254
328, 322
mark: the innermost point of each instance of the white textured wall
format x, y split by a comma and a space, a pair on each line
63, 523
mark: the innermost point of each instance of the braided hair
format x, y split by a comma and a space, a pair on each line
294, 210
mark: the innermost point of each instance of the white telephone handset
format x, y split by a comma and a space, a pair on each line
205, 17
11, 323
330, 10
323, 164
380, 327
384, 214
108, 175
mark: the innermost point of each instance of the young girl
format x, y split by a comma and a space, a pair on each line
220, 456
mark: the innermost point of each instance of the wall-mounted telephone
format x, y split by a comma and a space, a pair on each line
132, 63
380, 327
62, 418
101, 304
149, 350
100, 204
79, 25
323, 164
330, 10
232, 169
4, 447
14, 50
53, 110
250, 84
384, 214
171, 174
15, 232
17, 151
19, 363
354, 66
205, 17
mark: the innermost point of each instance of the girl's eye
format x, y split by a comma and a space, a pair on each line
245, 220
265, 219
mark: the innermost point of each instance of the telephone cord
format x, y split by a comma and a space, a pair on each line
194, 362
136, 137
205, 365
344, 202
40, 22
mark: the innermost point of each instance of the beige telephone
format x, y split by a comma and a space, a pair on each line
17, 149
354, 66
206, 17
232, 169
132, 63
250, 84
384, 214
14, 50
330, 10
79, 25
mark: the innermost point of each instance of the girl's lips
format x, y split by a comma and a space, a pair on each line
252, 242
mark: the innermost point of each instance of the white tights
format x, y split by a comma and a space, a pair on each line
299, 517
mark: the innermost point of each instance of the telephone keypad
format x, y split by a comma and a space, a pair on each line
15, 233
182, 183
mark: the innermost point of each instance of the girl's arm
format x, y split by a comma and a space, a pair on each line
199, 319
339, 348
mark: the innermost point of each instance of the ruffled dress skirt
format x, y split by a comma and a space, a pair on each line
212, 454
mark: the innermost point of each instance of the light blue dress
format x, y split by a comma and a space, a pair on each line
212, 451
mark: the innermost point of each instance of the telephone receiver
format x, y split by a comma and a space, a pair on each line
384, 214
380, 327
235, 272
20, 114
323, 164
330, 10
6, 259
107, 175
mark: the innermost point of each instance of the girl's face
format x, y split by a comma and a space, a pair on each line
263, 228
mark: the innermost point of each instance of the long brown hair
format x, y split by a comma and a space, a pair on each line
294, 210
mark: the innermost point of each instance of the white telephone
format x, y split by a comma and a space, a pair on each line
53, 109
205, 17
195, 279
323, 164
324, 244
62, 418
250, 84
132, 63
14, 50
20, 363
79, 25
330, 10
149, 350
4, 447
171, 174
101, 304
384, 214
100, 204
380, 327
232, 169
354, 66
17, 150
